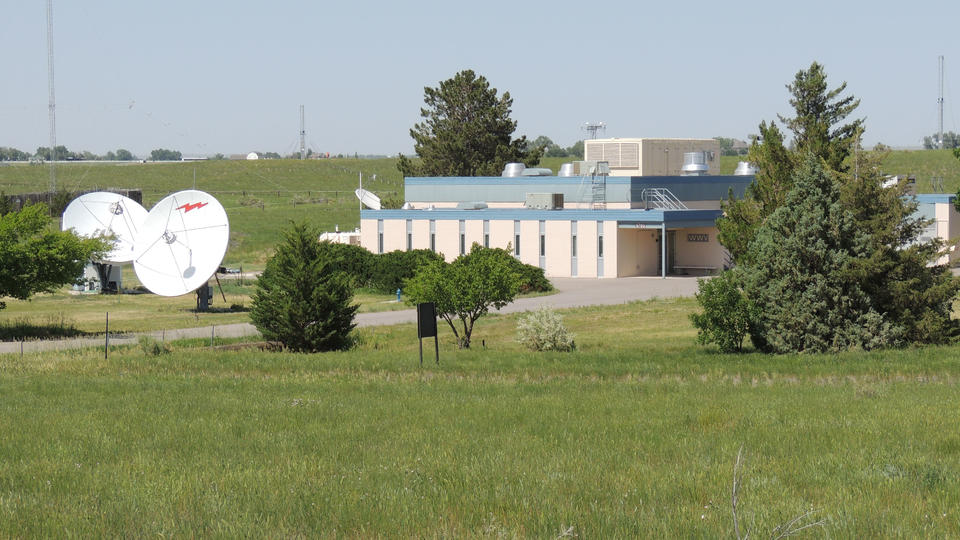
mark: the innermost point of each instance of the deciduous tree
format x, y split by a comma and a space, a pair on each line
467, 288
35, 258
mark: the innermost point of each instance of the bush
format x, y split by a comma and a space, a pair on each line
152, 346
354, 261
303, 299
727, 312
391, 270
531, 278
543, 330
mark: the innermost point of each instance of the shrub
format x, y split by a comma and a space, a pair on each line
531, 278
152, 346
543, 330
391, 270
727, 312
354, 261
303, 299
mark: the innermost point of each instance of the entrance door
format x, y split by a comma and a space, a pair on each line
671, 251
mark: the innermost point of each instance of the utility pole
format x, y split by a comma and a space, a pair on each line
52, 102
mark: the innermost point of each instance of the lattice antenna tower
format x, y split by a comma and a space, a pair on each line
940, 103
303, 137
52, 102
593, 127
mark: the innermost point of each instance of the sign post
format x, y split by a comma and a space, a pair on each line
427, 327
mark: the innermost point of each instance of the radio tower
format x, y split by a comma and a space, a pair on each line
940, 103
593, 127
303, 136
52, 94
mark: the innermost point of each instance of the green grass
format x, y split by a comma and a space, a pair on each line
923, 164
633, 435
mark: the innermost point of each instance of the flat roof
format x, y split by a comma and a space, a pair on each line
629, 217
933, 198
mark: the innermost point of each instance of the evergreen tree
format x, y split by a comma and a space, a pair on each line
466, 131
818, 129
301, 299
801, 278
817, 126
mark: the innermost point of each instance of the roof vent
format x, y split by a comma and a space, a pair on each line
694, 164
745, 168
513, 169
567, 170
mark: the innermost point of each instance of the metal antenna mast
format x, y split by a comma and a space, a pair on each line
593, 127
303, 136
52, 103
940, 103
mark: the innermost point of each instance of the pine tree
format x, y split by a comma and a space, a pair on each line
302, 300
807, 297
818, 129
466, 131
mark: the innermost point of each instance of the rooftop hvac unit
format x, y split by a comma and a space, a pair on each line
544, 201
694, 164
591, 168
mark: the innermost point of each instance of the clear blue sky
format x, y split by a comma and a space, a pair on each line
229, 77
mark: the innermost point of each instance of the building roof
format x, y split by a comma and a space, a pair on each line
624, 217
575, 189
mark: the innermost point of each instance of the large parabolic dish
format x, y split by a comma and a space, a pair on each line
103, 213
181, 244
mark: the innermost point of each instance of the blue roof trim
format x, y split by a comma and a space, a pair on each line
690, 218
572, 180
932, 198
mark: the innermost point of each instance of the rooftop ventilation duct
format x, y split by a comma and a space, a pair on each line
513, 170
745, 168
567, 170
694, 164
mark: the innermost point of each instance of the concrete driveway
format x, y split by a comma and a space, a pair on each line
571, 292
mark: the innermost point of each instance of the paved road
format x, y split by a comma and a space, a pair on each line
571, 292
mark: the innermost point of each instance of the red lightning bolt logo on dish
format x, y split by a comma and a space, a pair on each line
191, 206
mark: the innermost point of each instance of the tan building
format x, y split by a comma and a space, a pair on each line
571, 226
651, 157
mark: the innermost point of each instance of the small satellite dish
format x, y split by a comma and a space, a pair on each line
103, 213
181, 243
368, 199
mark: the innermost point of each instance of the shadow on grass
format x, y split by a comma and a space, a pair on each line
22, 329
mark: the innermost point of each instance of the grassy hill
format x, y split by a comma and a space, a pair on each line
923, 164
261, 197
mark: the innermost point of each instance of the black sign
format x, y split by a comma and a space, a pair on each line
427, 327
426, 320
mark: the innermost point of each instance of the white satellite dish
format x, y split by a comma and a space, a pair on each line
103, 213
368, 199
181, 243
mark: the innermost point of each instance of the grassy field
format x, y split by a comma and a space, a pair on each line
633, 435
70, 314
